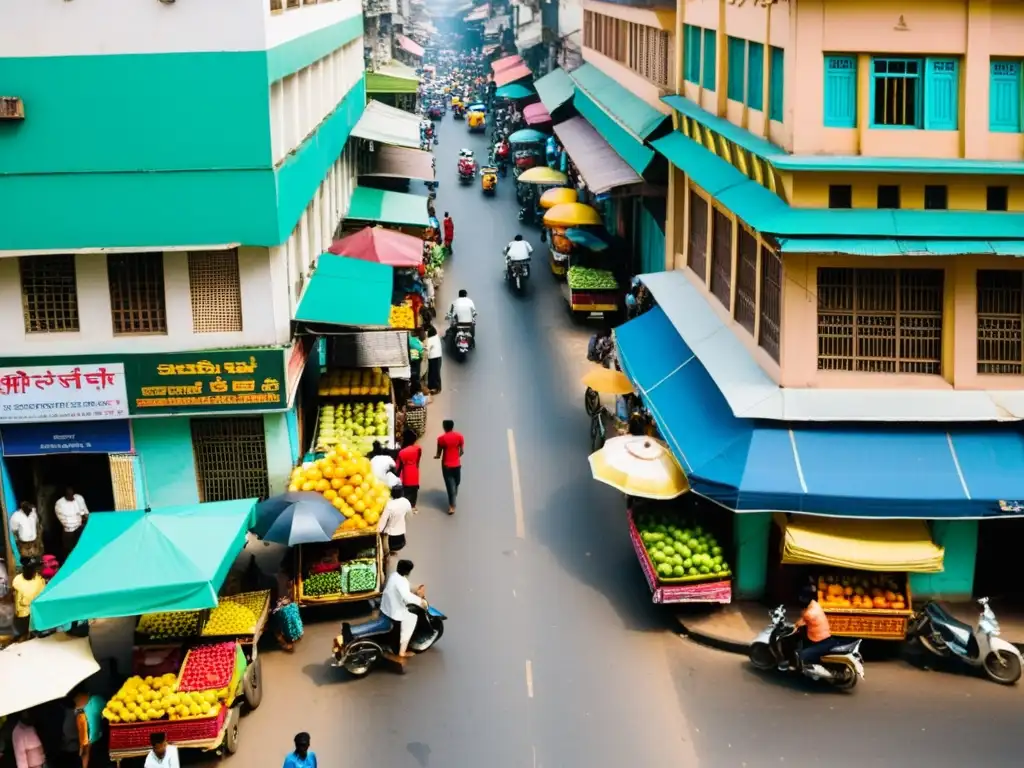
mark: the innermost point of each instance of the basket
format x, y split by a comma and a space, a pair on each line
416, 419
125, 736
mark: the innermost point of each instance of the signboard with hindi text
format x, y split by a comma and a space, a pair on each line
63, 392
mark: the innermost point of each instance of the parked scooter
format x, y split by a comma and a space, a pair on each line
362, 645
944, 635
778, 645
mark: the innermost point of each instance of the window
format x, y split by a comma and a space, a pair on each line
641, 48
49, 294
1004, 96
721, 257
1000, 321
231, 458
840, 92
935, 197
707, 78
746, 280
880, 320
775, 84
997, 198
769, 321
137, 300
915, 93
215, 290
691, 67
755, 76
697, 246
840, 196
888, 196
737, 68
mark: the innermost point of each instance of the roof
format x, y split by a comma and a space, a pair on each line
369, 349
511, 74
751, 393
767, 212
891, 247
393, 77
402, 163
505, 62
536, 114
346, 292
369, 204
554, 89
478, 14
600, 165
633, 113
388, 125
491, 26
410, 46
529, 34
630, 148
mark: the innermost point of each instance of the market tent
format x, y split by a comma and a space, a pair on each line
555, 89
409, 46
388, 125
514, 91
369, 204
347, 292
401, 163
902, 546
536, 114
505, 62
42, 670
130, 563
510, 75
599, 165
382, 246
393, 77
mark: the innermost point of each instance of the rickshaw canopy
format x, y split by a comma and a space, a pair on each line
544, 176
571, 215
557, 196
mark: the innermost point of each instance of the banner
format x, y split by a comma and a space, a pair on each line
48, 437
63, 392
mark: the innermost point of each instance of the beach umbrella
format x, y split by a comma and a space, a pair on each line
571, 215
544, 177
296, 517
383, 246
639, 466
557, 196
513, 91
585, 239
527, 136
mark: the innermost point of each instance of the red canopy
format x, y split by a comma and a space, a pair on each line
535, 114
505, 62
384, 246
511, 74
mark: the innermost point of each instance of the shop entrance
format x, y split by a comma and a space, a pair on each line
996, 569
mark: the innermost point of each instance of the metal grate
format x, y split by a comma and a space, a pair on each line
746, 280
697, 246
721, 257
1000, 321
122, 476
137, 299
216, 291
231, 458
770, 320
880, 320
49, 295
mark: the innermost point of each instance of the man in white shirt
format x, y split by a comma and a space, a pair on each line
518, 250
434, 358
24, 524
71, 511
392, 519
382, 464
162, 755
395, 602
463, 312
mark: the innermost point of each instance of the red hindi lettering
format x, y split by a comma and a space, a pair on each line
14, 383
101, 378
74, 378
43, 380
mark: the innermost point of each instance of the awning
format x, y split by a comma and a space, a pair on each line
555, 89
402, 163
536, 114
368, 349
388, 125
505, 62
529, 35
841, 470
393, 77
495, 25
347, 292
370, 204
599, 165
490, 48
511, 74
409, 46
851, 246
895, 546
478, 14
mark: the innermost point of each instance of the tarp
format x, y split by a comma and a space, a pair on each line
388, 125
599, 165
629, 110
511, 74
347, 292
369, 204
505, 62
536, 114
402, 163
409, 46
895, 546
393, 77
131, 563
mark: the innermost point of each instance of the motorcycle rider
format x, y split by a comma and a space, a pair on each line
819, 640
395, 602
463, 312
517, 250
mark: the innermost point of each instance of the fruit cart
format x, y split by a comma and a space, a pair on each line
590, 291
348, 569
874, 606
356, 407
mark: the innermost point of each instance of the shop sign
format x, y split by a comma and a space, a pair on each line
63, 392
209, 381
297, 364
113, 436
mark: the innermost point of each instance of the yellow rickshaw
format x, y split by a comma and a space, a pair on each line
477, 122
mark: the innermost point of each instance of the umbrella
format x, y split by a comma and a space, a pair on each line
639, 466
296, 517
527, 136
383, 246
557, 196
607, 381
585, 239
41, 670
544, 177
478, 107
571, 215
513, 91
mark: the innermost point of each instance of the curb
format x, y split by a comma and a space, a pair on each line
710, 640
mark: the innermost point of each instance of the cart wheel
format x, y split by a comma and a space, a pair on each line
252, 684
231, 734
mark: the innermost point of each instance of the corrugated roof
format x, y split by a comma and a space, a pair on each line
389, 125
402, 163
393, 77
889, 247
632, 112
554, 89
600, 165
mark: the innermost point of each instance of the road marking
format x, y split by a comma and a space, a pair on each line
529, 678
517, 491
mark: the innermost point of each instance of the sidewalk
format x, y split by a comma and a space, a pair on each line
731, 627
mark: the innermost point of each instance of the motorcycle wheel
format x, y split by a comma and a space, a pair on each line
931, 646
1003, 667
359, 660
761, 656
847, 680
591, 401
519, 283
596, 433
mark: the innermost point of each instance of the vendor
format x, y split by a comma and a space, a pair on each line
26, 586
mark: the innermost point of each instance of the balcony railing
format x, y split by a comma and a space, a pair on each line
279, 6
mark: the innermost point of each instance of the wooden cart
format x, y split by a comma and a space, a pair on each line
351, 540
590, 302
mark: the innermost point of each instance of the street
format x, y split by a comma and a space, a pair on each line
554, 656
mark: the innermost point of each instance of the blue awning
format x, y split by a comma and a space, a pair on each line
878, 470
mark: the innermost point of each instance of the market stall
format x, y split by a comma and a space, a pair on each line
355, 406
560, 246
590, 285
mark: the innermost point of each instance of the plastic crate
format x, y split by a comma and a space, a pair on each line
127, 736
229, 651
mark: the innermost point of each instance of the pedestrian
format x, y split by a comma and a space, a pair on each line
435, 355
27, 532
415, 356
72, 513
302, 757
450, 447
449, 231
26, 587
162, 754
409, 467
392, 520
83, 728
26, 744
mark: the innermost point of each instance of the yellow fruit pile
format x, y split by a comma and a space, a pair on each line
230, 619
153, 698
345, 479
159, 626
362, 381
402, 317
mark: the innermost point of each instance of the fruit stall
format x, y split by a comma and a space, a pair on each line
590, 290
348, 569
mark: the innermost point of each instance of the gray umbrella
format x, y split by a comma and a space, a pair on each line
296, 517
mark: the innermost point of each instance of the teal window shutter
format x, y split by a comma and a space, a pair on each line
692, 38
707, 79
737, 67
941, 94
755, 76
840, 91
775, 85
1004, 96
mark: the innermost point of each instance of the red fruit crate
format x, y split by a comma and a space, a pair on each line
128, 736
219, 654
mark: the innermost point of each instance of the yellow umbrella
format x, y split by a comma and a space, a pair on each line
571, 215
639, 466
542, 176
607, 381
557, 196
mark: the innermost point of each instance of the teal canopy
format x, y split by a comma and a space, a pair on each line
131, 563
344, 291
527, 136
513, 91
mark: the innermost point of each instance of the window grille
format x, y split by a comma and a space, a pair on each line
721, 257
697, 250
49, 294
898, 91
137, 300
231, 458
770, 320
215, 290
1000, 321
746, 280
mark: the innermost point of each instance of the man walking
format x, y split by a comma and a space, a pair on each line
435, 355
72, 513
449, 231
302, 757
450, 447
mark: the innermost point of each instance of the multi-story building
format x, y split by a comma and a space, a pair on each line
845, 203
168, 174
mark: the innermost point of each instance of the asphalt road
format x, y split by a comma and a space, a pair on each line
554, 656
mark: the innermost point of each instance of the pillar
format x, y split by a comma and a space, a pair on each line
750, 568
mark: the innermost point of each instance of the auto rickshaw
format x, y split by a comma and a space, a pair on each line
489, 179
477, 122
458, 108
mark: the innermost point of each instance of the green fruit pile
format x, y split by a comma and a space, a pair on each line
320, 584
686, 553
359, 577
161, 626
584, 278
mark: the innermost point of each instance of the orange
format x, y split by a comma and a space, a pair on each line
337, 503
359, 506
322, 485
355, 479
330, 494
351, 499
328, 471
337, 484
308, 485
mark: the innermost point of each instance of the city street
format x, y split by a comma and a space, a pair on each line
553, 655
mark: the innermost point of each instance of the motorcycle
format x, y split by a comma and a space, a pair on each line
777, 646
361, 645
467, 171
460, 338
517, 272
943, 635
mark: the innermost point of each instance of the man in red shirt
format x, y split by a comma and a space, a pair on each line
450, 447
409, 466
449, 231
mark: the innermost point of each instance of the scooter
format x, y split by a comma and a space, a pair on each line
944, 635
776, 648
517, 272
362, 645
460, 338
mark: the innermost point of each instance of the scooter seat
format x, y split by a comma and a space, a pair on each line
378, 625
849, 647
941, 615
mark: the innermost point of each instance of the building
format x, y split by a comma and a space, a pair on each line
169, 174
845, 198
